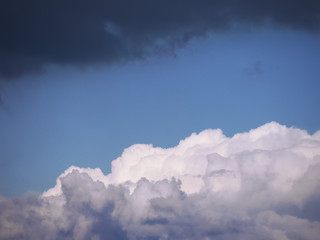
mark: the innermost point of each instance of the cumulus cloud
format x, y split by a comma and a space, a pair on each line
37, 33
262, 184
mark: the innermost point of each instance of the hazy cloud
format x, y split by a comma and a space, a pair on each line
256, 69
37, 33
263, 184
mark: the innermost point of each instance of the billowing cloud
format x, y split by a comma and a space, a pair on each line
38, 33
262, 184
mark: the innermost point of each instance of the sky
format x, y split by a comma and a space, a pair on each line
83, 83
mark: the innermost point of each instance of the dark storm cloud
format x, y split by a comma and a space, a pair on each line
41, 32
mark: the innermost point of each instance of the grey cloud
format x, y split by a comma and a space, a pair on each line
80, 214
306, 189
37, 33
114, 214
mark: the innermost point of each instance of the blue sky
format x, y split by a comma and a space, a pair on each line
112, 113
233, 80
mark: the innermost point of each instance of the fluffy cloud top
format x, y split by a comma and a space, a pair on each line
263, 184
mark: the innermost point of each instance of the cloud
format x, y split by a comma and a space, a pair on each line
254, 70
262, 184
39, 33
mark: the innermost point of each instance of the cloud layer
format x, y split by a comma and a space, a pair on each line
263, 184
38, 33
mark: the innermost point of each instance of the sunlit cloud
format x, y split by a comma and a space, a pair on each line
259, 184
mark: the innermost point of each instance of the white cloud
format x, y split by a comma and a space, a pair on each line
262, 184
